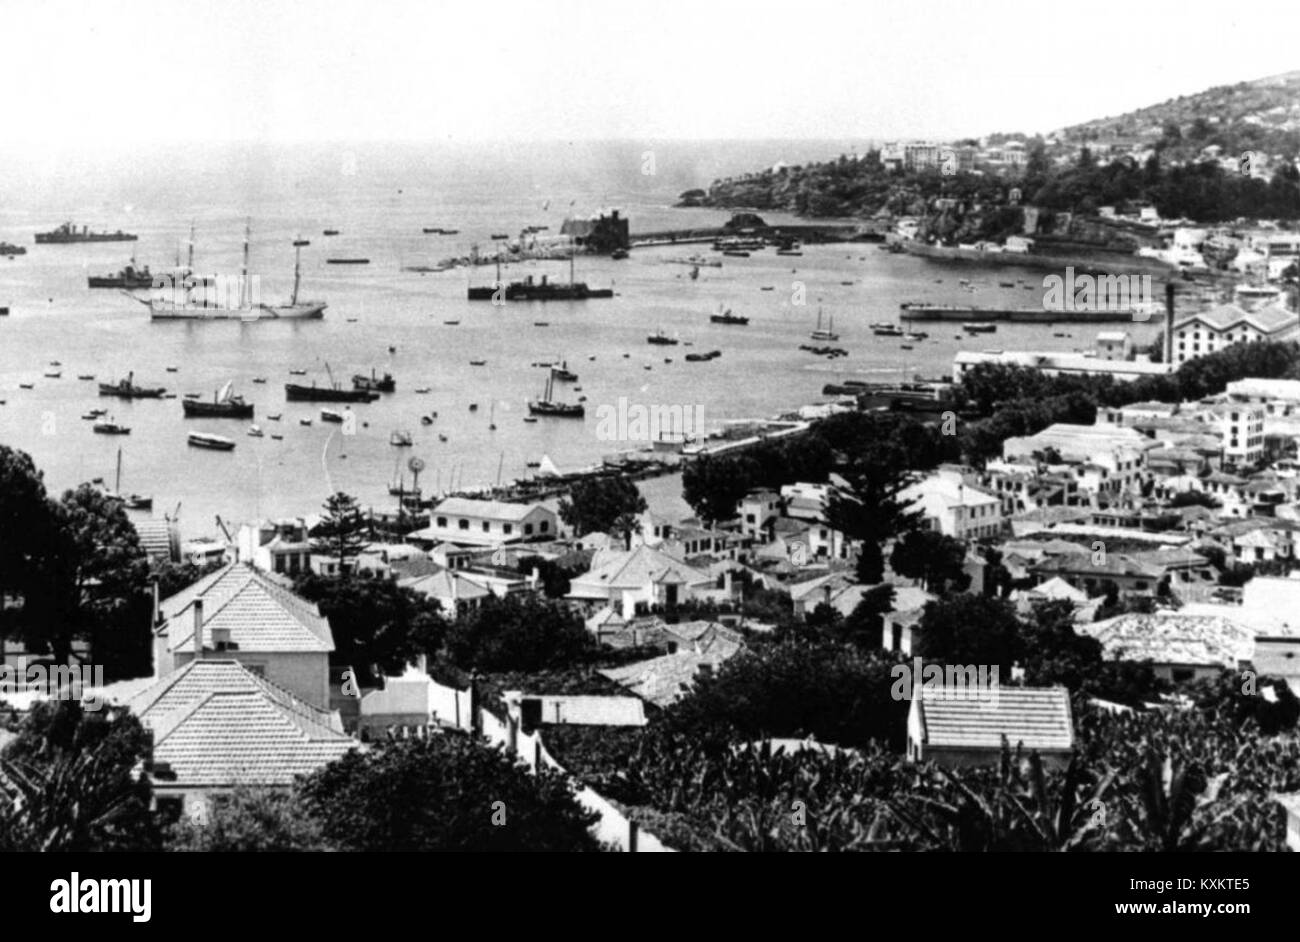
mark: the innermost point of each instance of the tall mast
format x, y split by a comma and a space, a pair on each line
571, 254
243, 274
297, 272
117, 483
190, 260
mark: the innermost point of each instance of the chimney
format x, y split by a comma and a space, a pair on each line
1169, 323
157, 614
198, 629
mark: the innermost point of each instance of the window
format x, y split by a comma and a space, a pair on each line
170, 809
464, 524
528, 529
1182, 674
544, 526
442, 521
507, 528
486, 526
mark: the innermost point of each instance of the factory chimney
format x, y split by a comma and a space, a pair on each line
1169, 323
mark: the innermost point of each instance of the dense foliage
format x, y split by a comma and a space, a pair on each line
447, 793
71, 782
378, 626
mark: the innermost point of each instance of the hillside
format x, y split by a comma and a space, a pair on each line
1182, 156
1263, 114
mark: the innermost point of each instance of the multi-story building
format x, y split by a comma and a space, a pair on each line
1220, 327
954, 507
1242, 428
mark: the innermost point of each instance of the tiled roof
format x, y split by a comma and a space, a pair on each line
445, 584
618, 569
260, 614
661, 680
216, 723
1226, 316
1174, 638
1034, 718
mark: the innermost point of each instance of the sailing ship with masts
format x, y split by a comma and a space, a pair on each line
129, 501
190, 299
548, 406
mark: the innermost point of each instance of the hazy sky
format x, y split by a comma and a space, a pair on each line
128, 72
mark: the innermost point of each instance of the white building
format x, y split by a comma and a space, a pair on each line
1221, 327
1242, 427
1106, 459
954, 508
466, 521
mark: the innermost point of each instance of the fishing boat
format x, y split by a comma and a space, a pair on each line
824, 334
530, 419
451, 323
277, 438
260, 380
111, 428
330, 232
300, 243
563, 373
126, 389
726, 317
130, 501
736, 253
209, 299
915, 335
329, 415
478, 362
224, 405
422, 391
661, 339
426, 420
548, 406
211, 442
385, 384
979, 327
85, 376
887, 330
255, 431
304, 421
332, 393
401, 439
53, 374
26, 385
273, 418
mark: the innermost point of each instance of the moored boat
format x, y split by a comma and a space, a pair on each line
126, 389
223, 406
212, 442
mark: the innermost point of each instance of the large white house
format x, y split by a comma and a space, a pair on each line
467, 521
953, 507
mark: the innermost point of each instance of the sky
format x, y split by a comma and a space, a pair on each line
128, 73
